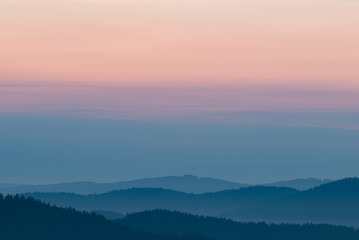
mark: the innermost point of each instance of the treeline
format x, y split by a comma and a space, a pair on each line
29, 219
26, 218
164, 221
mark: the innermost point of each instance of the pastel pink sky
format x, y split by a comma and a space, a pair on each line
176, 41
165, 58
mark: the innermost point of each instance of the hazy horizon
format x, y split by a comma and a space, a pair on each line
53, 149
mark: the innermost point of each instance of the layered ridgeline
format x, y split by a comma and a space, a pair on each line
23, 218
335, 202
163, 221
186, 183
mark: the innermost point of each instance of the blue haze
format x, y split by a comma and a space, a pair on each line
49, 150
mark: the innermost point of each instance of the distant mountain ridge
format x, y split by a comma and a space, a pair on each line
300, 183
334, 202
186, 183
140, 199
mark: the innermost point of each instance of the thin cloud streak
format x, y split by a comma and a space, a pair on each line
206, 104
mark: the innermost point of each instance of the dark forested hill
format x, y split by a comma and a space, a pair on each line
22, 218
162, 221
26, 218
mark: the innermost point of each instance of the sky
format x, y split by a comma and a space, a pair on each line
51, 150
181, 42
218, 63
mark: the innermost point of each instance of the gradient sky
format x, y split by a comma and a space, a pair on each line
217, 63
216, 41
178, 57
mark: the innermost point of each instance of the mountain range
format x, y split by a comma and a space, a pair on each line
335, 202
186, 183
